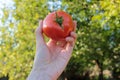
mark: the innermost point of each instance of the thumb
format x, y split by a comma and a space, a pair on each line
39, 36
39, 28
69, 48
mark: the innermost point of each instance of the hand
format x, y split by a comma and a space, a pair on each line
51, 58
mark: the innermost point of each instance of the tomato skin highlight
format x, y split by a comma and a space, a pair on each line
53, 29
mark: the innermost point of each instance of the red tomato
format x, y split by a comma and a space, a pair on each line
58, 25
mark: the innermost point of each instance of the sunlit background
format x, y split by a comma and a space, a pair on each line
96, 55
6, 4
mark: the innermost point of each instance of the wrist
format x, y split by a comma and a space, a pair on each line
39, 75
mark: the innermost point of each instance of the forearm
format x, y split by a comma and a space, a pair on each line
37, 75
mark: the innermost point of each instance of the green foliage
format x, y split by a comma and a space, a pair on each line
17, 48
98, 35
98, 42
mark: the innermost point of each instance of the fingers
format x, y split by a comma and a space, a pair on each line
72, 37
70, 42
73, 34
69, 39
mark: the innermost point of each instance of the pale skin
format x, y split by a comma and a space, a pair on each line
52, 57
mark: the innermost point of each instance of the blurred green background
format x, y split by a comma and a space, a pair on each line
96, 55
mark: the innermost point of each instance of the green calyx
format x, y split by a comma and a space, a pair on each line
59, 20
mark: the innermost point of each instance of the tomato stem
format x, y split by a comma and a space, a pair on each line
59, 20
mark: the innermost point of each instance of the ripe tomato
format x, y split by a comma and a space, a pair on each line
58, 25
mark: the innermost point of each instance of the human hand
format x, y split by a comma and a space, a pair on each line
51, 58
